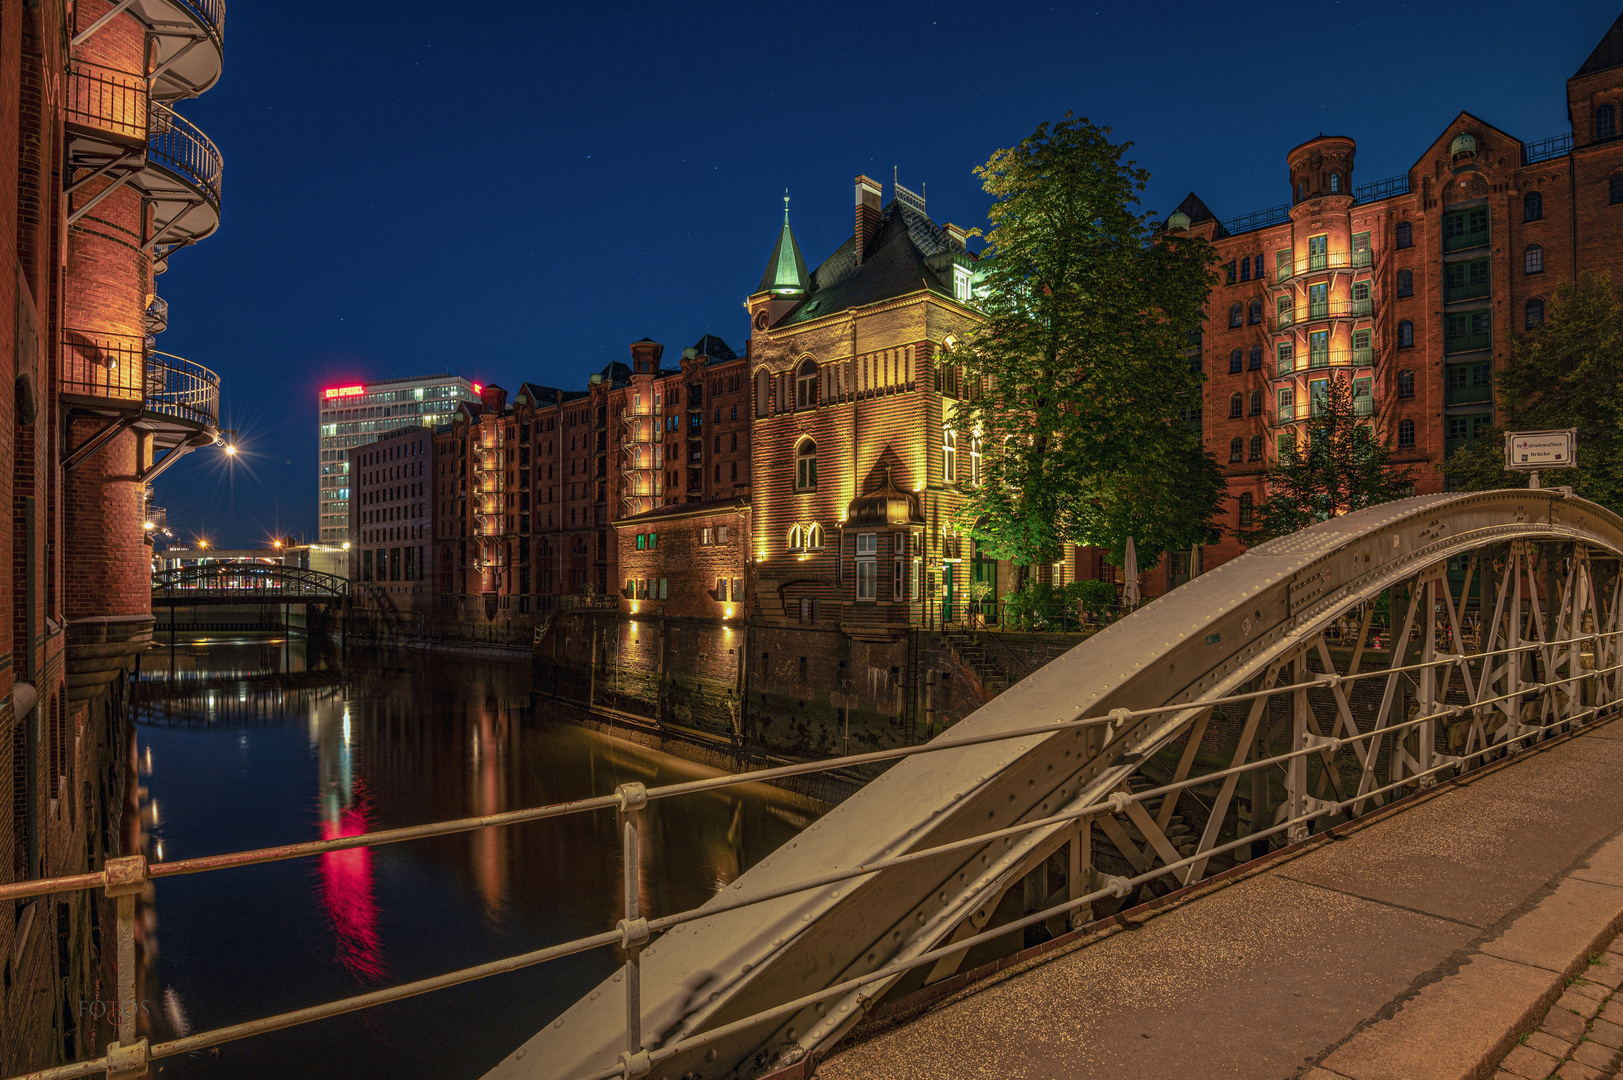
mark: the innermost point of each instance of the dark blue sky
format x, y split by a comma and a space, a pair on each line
516, 191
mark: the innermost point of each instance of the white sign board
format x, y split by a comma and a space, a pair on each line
1529, 451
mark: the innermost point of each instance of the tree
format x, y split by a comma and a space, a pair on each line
1567, 372
1343, 468
1077, 380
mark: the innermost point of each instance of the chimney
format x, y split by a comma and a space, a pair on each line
868, 192
958, 235
493, 397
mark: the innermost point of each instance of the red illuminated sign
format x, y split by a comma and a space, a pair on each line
478, 389
343, 391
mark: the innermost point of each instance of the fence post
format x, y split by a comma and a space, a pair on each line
126, 879
633, 928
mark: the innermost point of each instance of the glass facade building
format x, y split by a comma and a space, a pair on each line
358, 413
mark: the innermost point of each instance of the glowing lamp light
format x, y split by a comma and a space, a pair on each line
230, 449
203, 544
346, 545
343, 391
148, 526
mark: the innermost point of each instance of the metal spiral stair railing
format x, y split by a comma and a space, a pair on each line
1245, 659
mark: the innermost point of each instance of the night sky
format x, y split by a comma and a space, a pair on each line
515, 191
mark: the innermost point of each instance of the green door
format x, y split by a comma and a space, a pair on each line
946, 594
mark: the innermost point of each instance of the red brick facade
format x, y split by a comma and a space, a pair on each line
1412, 287
391, 521
687, 560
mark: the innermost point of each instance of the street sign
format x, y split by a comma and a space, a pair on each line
1531, 451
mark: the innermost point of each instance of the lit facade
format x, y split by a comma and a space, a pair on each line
357, 413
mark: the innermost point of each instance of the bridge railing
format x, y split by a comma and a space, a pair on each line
124, 879
247, 578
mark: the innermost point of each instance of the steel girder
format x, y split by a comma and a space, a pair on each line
1281, 627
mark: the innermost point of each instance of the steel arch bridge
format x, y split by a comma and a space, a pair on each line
1317, 677
247, 583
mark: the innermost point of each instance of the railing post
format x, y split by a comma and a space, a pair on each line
1426, 730
633, 928
126, 879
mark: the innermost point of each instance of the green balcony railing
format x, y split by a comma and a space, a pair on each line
1332, 358
1468, 342
1467, 395
1314, 264
1467, 291
1461, 241
1363, 406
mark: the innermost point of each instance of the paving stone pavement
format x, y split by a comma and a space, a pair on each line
1581, 1037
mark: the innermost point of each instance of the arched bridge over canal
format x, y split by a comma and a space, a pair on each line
247, 583
1314, 679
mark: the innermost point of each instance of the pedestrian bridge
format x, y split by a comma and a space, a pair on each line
1316, 679
246, 583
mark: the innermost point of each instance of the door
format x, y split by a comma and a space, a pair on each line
946, 593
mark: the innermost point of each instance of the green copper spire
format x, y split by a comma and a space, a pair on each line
786, 270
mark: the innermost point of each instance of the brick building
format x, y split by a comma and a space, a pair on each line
100, 182
686, 560
1411, 287
392, 520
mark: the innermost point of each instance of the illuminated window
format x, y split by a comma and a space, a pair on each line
975, 460
949, 455
806, 465
796, 541
814, 537
867, 566
806, 385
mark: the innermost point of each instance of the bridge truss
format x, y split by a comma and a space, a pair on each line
247, 583
1314, 679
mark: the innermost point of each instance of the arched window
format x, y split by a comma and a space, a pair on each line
1256, 358
1236, 406
1247, 504
1405, 282
796, 541
1256, 448
1236, 450
1256, 403
1405, 235
1301, 191
1405, 383
763, 390
949, 454
814, 537
1605, 122
1405, 334
1255, 315
1533, 260
1335, 183
1617, 189
1236, 316
806, 465
1236, 361
806, 384
1532, 206
1535, 313
1405, 434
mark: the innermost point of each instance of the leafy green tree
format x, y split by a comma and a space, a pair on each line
1343, 467
1568, 372
1077, 379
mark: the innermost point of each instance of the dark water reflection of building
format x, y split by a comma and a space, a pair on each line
404, 739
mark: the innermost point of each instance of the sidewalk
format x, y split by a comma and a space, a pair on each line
1423, 946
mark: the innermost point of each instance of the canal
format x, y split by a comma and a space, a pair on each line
249, 743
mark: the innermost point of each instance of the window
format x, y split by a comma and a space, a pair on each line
1245, 268
1405, 282
806, 465
1236, 361
1287, 446
763, 384
1465, 280
1228, 275
1335, 183
1468, 331
1406, 384
1405, 235
1256, 403
1405, 334
1406, 434
1236, 316
1236, 450
814, 537
867, 566
949, 455
1605, 122
1287, 405
708, 536
721, 534
1256, 448
1532, 206
1617, 189
1534, 259
1195, 365
1318, 396
806, 385
796, 540
1465, 228
1535, 313
1246, 508
975, 460
1236, 407
1255, 363
1286, 358
1282, 264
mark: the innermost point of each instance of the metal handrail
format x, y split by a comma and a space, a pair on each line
107, 100
180, 147
1336, 358
1545, 149
177, 387
209, 14
124, 878
1317, 264
1260, 219
1301, 314
1383, 189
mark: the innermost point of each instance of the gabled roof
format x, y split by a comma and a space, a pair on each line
714, 348
895, 264
1194, 209
1439, 145
539, 395
785, 271
1608, 54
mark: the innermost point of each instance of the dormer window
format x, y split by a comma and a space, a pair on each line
961, 284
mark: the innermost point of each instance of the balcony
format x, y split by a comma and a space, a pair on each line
1468, 395
1466, 290
1459, 343
1469, 238
189, 44
1331, 262
118, 134
1363, 356
1303, 314
101, 368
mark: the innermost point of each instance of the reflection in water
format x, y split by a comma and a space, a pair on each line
397, 740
